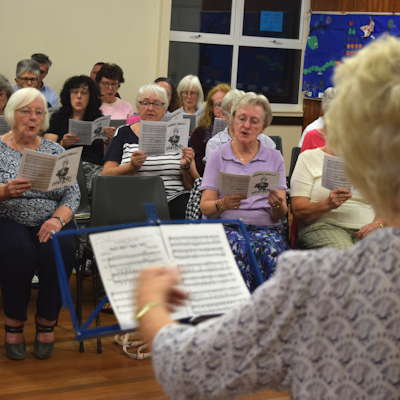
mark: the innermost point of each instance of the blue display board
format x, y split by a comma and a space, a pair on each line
333, 37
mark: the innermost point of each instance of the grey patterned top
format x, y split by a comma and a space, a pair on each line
326, 326
33, 207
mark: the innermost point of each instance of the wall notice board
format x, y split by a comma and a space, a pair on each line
334, 36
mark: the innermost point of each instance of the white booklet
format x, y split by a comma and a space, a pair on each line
162, 137
202, 253
260, 183
333, 173
88, 131
116, 123
218, 126
49, 171
4, 128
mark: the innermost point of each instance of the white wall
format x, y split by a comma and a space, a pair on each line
76, 33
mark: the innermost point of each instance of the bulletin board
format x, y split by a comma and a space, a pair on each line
334, 36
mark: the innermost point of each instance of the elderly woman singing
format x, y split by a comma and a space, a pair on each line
28, 218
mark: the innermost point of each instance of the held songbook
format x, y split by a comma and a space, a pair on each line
201, 252
260, 183
333, 173
49, 171
89, 131
160, 137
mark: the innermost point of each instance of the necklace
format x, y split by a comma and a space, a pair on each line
247, 156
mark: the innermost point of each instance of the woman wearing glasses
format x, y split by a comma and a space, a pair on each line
123, 157
190, 94
109, 79
28, 218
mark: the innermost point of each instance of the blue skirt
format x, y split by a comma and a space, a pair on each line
267, 242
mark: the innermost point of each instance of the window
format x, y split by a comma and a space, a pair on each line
255, 45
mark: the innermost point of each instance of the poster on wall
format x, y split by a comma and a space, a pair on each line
334, 36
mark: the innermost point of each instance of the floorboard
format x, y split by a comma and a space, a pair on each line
89, 375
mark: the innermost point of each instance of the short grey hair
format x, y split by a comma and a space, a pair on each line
27, 65
231, 98
155, 90
22, 98
253, 99
327, 97
191, 82
5, 86
363, 123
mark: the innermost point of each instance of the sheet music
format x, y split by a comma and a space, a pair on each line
192, 118
120, 256
48, 171
4, 128
207, 265
208, 268
88, 131
218, 126
233, 183
116, 123
333, 174
160, 137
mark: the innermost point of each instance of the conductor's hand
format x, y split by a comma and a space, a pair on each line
69, 139
158, 285
232, 201
137, 159
338, 196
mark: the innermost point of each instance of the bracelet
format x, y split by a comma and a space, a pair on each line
276, 205
60, 219
147, 307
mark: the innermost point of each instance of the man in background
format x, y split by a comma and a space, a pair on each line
27, 74
44, 64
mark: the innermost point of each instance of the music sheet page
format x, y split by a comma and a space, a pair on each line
233, 183
177, 135
153, 137
261, 182
208, 268
333, 174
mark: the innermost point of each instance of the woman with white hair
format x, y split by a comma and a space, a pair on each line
28, 218
190, 94
326, 326
123, 157
262, 213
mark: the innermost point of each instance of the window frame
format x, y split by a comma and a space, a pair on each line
236, 39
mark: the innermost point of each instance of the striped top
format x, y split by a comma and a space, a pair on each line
167, 166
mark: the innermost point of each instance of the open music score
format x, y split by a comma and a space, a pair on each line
202, 253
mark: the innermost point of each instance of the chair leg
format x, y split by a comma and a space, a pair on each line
78, 307
96, 291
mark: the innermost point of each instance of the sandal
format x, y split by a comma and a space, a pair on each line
43, 350
15, 351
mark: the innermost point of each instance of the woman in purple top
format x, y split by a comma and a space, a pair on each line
262, 213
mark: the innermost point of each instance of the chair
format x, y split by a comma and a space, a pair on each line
177, 205
278, 142
293, 226
82, 215
293, 160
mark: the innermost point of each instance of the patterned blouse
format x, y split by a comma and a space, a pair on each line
33, 207
326, 326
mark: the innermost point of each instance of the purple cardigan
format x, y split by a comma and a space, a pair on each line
254, 210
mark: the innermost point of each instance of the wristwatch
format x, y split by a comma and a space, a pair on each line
61, 219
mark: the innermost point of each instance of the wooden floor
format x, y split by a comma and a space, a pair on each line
89, 375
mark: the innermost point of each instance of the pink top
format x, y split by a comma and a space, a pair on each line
120, 109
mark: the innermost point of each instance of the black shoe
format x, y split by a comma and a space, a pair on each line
43, 350
15, 351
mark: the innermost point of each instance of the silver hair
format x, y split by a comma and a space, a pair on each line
154, 89
231, 98
22, 98
27, 65
191, 82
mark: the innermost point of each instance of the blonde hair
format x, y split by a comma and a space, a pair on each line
253, 99
208, 113
191, 82
363, 122
22, 98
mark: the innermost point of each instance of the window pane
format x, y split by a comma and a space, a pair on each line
272, 72
208, 16
273, 18
210, 62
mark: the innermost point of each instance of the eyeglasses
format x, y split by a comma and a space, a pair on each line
82, 92
156, 104
217, 105
242, 119
113, 85
24, 79
28, 111
189, 93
